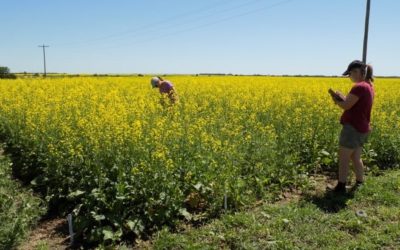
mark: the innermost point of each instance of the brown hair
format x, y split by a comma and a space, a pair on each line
368, 73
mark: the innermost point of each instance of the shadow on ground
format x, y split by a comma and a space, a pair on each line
330, 201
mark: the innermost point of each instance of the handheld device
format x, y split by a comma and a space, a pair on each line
334, 95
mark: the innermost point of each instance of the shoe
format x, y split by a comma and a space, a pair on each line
340, 188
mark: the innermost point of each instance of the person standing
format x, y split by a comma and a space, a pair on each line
355, 120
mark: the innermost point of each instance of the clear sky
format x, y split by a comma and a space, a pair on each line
182, 36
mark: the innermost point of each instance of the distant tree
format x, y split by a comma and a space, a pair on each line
4, 70
5, 73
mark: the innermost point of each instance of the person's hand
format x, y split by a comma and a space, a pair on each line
338, 93
333, 95
335, 100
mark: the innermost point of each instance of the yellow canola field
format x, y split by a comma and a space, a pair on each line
106, 149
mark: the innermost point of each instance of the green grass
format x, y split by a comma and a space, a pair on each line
316, 221
19, 208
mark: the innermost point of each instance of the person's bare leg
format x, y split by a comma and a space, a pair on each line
344, 162
358, 164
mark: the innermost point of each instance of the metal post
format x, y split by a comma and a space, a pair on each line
70, 229
366, 32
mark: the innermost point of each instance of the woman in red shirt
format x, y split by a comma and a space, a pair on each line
166, 88
355, 119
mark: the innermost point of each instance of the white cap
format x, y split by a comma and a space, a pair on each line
154, 81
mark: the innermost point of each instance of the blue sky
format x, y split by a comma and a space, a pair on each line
177, 36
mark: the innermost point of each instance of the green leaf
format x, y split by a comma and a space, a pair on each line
99, 217
198, 186
327, 161
75, 194
136, 226
324, 152
108, 234
38, 180
131, 224
121, 197
185, 213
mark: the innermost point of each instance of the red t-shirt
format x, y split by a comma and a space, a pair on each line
359, 115
165, 87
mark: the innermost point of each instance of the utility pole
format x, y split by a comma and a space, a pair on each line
44, 57
366, 32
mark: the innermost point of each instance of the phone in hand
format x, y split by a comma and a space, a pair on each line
335, 95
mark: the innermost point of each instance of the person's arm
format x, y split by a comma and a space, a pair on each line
340, 95
173, 90
348, 102
172, 94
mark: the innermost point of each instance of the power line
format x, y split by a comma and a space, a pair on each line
209, 23
259, 9
44, 57
198, 18
155, 24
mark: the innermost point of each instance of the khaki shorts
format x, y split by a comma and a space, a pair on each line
351, 138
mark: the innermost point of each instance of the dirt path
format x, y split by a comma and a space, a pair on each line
49, 234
